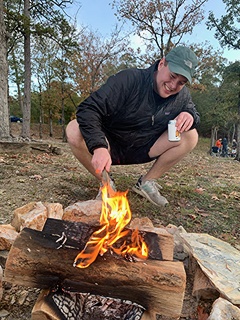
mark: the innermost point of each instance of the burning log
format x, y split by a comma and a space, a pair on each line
44, 259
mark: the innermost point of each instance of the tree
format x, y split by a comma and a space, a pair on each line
227, 30
41, 18
27, 72
97, 59
232, 95
161, 24
4, 114
51, 62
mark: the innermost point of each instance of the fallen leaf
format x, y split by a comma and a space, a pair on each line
199, 190
192, 216
225, 195
201, 314
36, 177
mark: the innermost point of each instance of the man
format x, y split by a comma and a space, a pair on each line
225, 147
126, 121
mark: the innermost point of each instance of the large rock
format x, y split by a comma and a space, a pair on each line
86, 211
219, 261
54, 210
33, 215
1, 280
224, 310
8, 234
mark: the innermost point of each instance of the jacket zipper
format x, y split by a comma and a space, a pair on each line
153, 120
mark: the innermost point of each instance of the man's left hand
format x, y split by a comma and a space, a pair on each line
184, 121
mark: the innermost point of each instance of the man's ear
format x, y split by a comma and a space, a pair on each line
161, 63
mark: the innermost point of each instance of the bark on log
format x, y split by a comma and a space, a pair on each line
35, 260
28, 147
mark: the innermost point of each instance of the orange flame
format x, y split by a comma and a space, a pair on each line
115, 215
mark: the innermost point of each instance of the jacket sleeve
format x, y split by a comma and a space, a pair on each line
190, 107
100, 106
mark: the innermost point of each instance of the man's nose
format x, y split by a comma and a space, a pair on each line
174, 83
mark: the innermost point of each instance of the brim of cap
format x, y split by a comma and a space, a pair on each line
177, 69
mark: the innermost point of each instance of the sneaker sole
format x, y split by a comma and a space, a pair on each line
145, 195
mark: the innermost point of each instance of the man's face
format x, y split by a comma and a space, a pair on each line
168, 83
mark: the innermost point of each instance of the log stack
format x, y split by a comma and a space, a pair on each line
212, 267
44, 259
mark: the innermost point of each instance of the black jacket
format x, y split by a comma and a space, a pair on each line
125, 108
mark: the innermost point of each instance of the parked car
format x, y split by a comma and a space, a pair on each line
15, 119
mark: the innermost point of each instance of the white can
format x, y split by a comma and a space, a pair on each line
173, 133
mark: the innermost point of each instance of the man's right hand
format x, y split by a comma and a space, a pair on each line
101, 160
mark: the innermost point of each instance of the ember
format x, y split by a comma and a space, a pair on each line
115, 216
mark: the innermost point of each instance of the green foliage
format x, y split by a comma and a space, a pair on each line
14, 108
227, 30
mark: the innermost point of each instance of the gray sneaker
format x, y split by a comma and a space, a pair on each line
112, 185
150, 190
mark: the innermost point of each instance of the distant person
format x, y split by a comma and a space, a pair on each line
224, 147
234, 148
218, 144
126, 121
216, 150
234, 144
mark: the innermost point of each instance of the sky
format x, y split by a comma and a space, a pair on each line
99, 16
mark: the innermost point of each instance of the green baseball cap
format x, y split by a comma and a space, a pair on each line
183, 61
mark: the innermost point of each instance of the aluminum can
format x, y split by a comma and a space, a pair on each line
173, 133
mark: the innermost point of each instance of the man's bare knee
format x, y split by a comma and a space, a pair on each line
73, 133
191, 138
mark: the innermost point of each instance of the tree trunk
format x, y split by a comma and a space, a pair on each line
50, 123
18, 80
4, 113
40, 109
64, 138
213, 138
27, 73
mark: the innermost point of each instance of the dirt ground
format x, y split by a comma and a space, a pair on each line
47, 177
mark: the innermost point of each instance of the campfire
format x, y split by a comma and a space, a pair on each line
121, 270
115, 216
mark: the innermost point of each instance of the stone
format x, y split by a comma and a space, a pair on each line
141, 222
17, 213
1, 280
224, 310
219, 261
32, 215
180, 253
84, 211
54, 210
4, 313
8, 234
